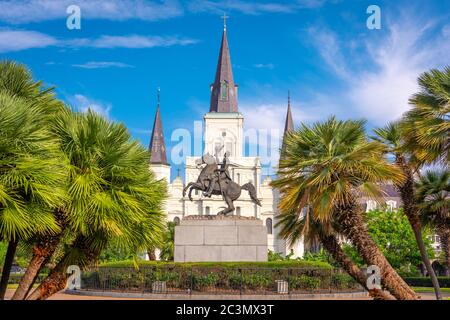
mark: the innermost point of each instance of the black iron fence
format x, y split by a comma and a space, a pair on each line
218, 280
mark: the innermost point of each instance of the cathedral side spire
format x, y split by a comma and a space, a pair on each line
223, 90
289, 122
157, 145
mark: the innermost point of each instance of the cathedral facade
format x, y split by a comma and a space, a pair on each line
224, 130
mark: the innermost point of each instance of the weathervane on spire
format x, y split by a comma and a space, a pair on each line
289, 97
225, 21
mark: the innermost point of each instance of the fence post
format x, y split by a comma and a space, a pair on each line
191, 285
331, 280
289, 280
143, 280
242, 282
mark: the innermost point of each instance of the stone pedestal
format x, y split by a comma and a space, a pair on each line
219, 238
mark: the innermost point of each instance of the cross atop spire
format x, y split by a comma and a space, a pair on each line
224, 17
158, 95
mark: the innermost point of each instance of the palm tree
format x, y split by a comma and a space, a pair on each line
167, 249
328, 166
427, 124
294, 225
113, 195
31, 171
433, 197
393, 137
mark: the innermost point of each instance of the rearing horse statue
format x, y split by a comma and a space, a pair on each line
223, 185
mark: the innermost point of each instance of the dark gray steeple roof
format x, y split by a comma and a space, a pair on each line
289, 123
223, 90
157, 146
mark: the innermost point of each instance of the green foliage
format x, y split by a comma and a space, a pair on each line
427, 124
322, 165
115, 253
167, 248
444, 282
277, 256
320, 256
270, 264
217, 277
32, 167
393, 234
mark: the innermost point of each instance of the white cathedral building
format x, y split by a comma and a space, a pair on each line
223, 126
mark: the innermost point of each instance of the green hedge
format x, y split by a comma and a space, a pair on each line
245, 277
15, 278
269, 264
444, 282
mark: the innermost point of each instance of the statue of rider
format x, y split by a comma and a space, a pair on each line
222, 170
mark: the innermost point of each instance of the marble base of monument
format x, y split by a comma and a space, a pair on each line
220, 239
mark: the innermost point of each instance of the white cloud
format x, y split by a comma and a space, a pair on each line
102, 65
246, 7
130, 41
378, 89
22, 40
16, 40
264, 66
328, 46
83, 104
25, 11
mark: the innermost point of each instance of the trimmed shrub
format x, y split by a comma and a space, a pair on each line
444, 282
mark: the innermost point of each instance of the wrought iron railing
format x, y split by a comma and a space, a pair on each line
218, 280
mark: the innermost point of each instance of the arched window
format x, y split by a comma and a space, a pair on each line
176, 220
269, 225
238, 211
224, 91
238, 178
207, 210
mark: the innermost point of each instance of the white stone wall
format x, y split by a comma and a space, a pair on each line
242, 170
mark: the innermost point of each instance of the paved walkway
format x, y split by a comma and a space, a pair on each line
63, 296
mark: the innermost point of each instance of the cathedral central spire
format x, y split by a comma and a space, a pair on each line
157, 145
223, 90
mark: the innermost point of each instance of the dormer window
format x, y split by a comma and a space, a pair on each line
224, 91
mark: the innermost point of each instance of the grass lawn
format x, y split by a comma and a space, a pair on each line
429, 289
15, 285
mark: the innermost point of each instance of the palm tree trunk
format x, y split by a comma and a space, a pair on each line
55, 282
57, 279
410, 209
444, 235
42, 252
151, 254
332, 245
352, 226
9, 259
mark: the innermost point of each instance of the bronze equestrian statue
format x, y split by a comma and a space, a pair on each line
217, 181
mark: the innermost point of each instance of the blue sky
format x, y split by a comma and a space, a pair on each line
320, 50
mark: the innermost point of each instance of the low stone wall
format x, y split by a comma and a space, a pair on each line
174, 296
218, 239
